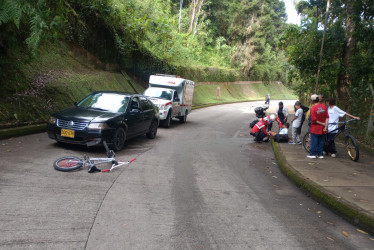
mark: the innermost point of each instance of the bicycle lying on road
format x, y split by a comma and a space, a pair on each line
350, 142
71, 163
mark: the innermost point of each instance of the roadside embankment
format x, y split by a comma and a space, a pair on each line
213, 93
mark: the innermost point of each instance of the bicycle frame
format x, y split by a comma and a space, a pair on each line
342, 128
89, 162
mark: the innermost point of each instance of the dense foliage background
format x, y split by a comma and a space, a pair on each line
237, 35
347, 59
204, 40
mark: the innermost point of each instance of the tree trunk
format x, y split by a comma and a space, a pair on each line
197, 17
344, 79
193, 14
322, 44
180, 15
370, 123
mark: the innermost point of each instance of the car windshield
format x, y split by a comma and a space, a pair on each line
159, 93
105, 101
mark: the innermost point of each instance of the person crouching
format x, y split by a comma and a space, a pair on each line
259, 130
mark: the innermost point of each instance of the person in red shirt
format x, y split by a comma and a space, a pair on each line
319, 117
259, 130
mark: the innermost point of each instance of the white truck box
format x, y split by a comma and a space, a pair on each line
173, 95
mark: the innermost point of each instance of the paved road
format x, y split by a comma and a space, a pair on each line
199, 185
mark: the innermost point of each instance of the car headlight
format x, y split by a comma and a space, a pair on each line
52, 120
98, 125
162, 107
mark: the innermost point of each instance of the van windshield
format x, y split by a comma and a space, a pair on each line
159, 93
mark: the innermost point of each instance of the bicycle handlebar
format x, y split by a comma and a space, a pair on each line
342, 122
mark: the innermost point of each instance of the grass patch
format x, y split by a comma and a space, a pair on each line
206, 94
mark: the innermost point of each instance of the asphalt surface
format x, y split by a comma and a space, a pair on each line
200, 185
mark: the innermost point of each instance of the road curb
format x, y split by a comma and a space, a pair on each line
24, 130
340, 206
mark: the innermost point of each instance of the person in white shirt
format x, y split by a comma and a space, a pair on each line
334, 114
296, 123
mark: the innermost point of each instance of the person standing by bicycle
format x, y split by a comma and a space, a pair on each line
334, 114
319, 117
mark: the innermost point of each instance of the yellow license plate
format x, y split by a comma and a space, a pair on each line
67, 133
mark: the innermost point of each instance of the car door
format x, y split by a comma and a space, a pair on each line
134, 118
147, 113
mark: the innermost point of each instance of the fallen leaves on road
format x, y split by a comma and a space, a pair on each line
364, 201
319, 212
330, 238
345, 233
328, 222
275, 177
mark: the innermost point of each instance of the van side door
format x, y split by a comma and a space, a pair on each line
176, 104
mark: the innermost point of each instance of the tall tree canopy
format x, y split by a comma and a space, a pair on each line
347, 65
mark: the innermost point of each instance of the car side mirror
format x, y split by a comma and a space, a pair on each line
176, 99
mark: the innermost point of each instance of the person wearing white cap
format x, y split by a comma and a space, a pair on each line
318, 128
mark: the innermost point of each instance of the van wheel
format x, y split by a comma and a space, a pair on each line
167, 121
183, 119
119, 139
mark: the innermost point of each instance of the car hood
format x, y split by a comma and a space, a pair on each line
158, 101
85, 115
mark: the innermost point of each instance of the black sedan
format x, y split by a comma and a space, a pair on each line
105, 116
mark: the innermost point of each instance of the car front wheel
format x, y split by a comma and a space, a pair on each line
119, 139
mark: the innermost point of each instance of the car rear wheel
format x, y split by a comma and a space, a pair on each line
119, 139
152, 132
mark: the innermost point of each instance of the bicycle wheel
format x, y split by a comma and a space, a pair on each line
351, 147
69, 163
306, 142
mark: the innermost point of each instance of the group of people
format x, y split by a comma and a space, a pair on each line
323, 126
323, 122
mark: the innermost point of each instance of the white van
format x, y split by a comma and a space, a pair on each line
173, 96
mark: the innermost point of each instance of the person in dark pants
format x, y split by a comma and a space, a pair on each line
334, 114
305, 110
259, 130
282, 112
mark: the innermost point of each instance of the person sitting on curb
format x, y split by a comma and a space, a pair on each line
259, 130
282, 136
334, 113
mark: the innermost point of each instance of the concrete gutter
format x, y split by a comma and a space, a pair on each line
348, 210
24, 130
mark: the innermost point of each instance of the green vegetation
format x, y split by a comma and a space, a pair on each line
207, 94
54, 52
344, 68
54, 81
